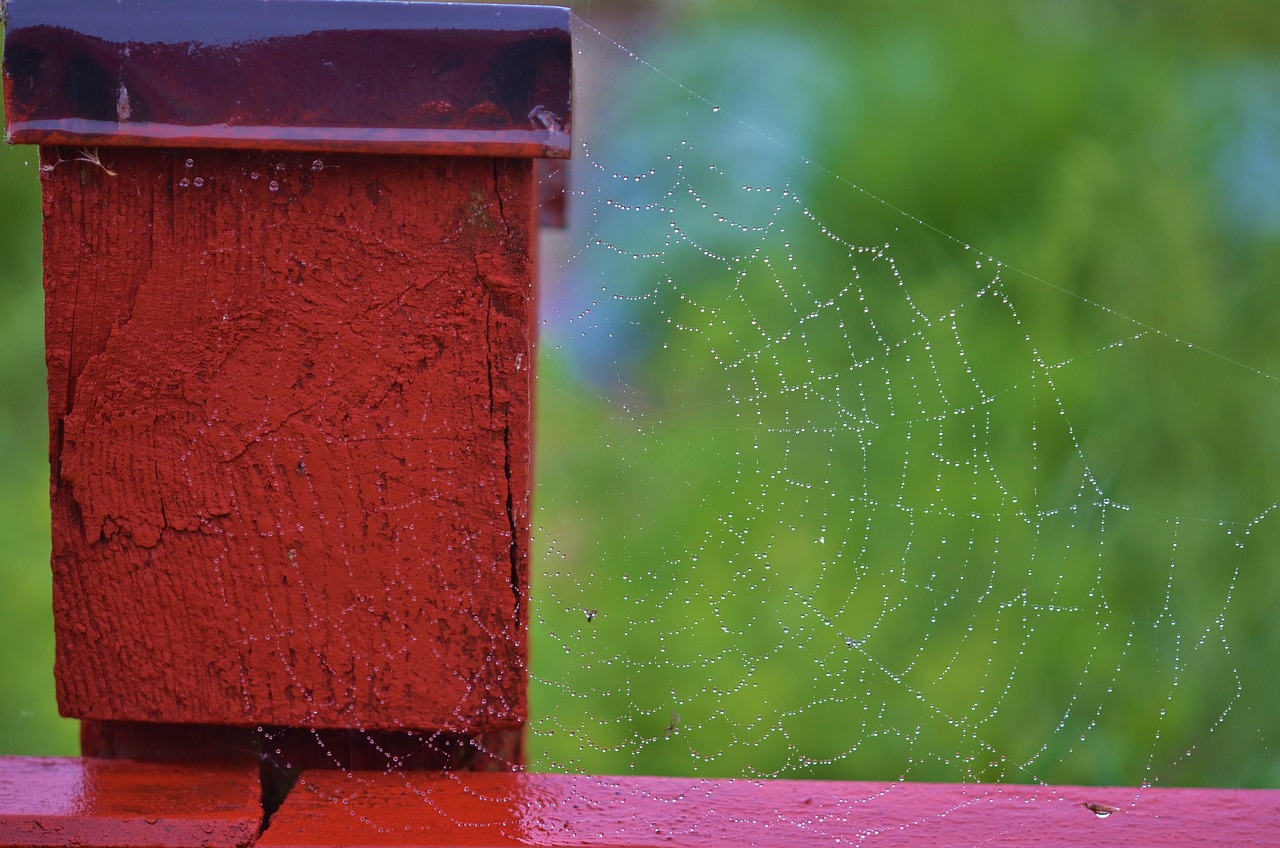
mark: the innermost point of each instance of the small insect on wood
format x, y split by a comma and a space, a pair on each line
1099, 810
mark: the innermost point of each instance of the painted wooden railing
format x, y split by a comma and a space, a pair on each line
277, 232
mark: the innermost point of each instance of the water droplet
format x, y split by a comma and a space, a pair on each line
317, 165
190, 163
184, 182
715, 108
273, 185
199, 181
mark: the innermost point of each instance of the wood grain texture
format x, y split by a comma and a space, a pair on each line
106, 803
289, 408
637, 812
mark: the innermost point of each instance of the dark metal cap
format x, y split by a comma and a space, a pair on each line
391, 76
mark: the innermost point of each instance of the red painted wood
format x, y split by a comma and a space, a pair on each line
473, 79
296, 749
289, 406
104, 803
169, 743
292, 749
553, 182
560, 810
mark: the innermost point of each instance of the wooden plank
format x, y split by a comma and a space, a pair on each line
107, 803
289, 408
492, 810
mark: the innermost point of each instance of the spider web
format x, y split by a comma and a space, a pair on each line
823, 495
826, 492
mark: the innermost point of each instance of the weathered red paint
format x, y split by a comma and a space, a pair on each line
317, 75
636, 812
102, 803
289, 406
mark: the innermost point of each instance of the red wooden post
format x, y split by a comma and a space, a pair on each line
289, 276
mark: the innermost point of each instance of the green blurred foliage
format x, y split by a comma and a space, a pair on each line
1091, 605
29, 722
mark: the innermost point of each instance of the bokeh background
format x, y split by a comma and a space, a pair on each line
1127, 153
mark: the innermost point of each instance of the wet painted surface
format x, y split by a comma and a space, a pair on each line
326, 75
105, 803
567, 810
108, 803
289, 405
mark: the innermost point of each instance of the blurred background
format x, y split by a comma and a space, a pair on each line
1121, 160
749, 565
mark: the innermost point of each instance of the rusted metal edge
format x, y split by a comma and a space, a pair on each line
393, 76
